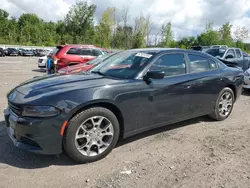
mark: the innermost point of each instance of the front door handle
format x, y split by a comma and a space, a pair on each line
187, 86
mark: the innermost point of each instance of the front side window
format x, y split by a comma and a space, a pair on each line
199, 63
97, 52
171, 64
216, 52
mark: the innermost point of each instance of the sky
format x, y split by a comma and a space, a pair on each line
188, 17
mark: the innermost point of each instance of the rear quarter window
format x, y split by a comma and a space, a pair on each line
238, 53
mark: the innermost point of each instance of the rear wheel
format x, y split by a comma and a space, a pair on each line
91, 135
224, 105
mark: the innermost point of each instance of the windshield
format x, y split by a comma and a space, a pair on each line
216, 52
56, 50
98, 59
124, 64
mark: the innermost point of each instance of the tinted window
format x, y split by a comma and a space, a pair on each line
86, 52
198, 63
74, 51
216, 52
238, 54
231, 52
96, 52
171, 64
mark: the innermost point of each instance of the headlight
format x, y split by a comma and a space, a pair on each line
40, 111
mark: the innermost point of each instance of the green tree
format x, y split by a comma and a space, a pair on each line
140, 32
166, 35
106, 27
187, 42
225, 32
240, 34
209, 36
3, 26
79, 21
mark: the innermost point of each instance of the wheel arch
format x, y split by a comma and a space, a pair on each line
101, 103
233, 88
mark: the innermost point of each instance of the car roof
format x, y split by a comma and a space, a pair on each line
162, 50
79, 46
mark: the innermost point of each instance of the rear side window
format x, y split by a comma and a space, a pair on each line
171, 64
238, 54
231, 52
74, 51
200, 64
86, 52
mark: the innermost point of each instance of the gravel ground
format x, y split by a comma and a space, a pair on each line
195, 154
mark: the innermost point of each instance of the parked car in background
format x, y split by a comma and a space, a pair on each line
11, 52
245, 54
219, 46
85, 66
234, 55
200, 48
2, 53
20, 51
27, 52
87, 113
68, 55
42, 61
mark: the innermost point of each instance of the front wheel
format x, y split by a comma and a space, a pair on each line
91, 135
224, 105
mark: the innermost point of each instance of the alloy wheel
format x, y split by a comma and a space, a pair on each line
225, 104
94, 136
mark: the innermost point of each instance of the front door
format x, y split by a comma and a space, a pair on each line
166, 100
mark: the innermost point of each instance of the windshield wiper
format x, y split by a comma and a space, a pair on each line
98, 72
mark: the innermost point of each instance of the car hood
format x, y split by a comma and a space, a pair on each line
62, 83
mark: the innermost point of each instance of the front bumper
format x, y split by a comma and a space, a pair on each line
35, 135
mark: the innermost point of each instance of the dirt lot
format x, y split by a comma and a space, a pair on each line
195, 154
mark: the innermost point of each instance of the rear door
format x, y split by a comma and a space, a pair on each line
206, 83
239, 57
72, 56
86, 55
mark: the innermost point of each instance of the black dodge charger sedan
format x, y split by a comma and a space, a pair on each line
131, 92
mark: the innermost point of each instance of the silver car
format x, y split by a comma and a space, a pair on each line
247, 79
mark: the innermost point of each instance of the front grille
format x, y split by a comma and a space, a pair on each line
15, 108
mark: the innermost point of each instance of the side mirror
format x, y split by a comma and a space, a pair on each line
229, 56
154, 75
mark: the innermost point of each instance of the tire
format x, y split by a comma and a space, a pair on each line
216, 115
74, 127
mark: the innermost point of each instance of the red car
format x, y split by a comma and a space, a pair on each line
84, 66
68, 55
87, 66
